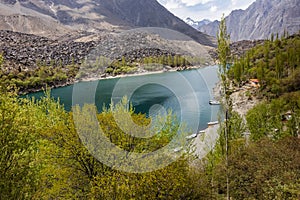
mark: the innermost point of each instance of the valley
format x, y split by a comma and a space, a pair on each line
124, 99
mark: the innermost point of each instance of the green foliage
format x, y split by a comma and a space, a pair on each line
1, 60
227, 134
121, 67
42, 156
19, 129
265, 170
150, 63
275, 63
276, 119
39, 77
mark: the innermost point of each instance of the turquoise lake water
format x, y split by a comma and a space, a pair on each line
187, 93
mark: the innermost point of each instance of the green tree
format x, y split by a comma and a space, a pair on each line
265, 170
224, 59
19, 129
1, 60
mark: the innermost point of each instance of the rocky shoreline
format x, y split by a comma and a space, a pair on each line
243, 98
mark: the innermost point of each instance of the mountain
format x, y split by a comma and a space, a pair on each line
210, 28
65, 16
196, 24
260, 20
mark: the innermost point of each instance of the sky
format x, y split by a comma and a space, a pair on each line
204, 9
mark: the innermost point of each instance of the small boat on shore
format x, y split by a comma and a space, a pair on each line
214, 102
191, 136
212, 123
178, 149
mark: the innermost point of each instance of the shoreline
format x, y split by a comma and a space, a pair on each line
241, 101
98, 78
144, 73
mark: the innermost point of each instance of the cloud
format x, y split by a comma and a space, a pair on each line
213, 8
195, 2
234, 2
204, 9
172, 5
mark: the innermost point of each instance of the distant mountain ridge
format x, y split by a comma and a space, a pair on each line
92, 16
196, 24
260, 20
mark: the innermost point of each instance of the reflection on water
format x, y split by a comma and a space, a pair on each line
152, 98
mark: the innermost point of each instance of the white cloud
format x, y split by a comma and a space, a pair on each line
204, 9
213, 8
234, 2
195, 2
172, 4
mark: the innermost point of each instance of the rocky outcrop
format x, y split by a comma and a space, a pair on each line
238, 49
137, 45
27, 51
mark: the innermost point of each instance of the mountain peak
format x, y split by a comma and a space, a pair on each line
196, 24
261, 19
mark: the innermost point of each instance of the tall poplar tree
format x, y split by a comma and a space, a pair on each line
224, 59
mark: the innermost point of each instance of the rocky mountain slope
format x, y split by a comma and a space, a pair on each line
65, 16
27, 50
260, 20
31, 61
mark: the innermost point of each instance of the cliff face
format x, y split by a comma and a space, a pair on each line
62, 16
260, 20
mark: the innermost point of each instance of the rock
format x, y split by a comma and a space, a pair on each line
29, 50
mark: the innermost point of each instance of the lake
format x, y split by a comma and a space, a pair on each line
186, 93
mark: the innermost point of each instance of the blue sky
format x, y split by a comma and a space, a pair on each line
204, 9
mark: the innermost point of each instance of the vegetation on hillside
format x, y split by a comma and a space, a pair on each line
266, 165
54, 73
276, 64
124, 65
43, 157
51, 74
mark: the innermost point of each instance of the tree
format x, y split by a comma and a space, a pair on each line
1, 60
19, 131
265, 170
224, 58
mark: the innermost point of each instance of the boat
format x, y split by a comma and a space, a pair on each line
203, 131
212, 123
214, 102
178, 149
191, 136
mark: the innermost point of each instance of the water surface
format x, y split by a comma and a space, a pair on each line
187, 93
